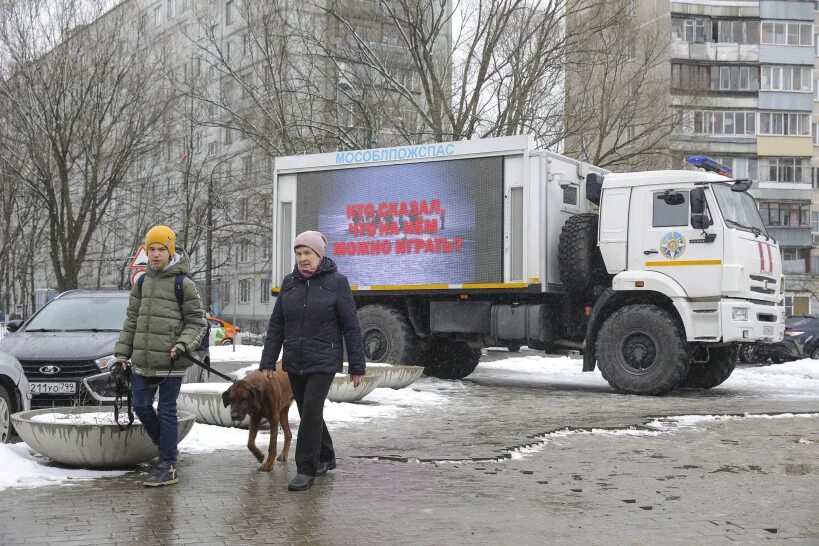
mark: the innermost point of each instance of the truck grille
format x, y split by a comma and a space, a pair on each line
763, 285
68, 369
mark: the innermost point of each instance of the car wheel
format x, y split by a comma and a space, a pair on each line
513, 348
6, 405
227, 342
815, 354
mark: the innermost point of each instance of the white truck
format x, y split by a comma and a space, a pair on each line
450, 247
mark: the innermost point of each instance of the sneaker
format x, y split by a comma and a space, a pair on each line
325, 466
163, 474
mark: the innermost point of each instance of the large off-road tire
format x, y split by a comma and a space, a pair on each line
388, 336
641, 349
451, 359
6, 409
706, 375
579, 260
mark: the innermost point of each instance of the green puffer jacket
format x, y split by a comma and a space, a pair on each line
155, 323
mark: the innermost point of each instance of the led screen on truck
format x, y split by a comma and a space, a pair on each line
419, 223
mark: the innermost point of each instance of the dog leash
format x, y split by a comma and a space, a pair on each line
208, 368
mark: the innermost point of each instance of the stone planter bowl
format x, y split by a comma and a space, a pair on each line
204, 400
393, 376
90, 445
343, 391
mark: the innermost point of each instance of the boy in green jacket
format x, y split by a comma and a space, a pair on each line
157, 336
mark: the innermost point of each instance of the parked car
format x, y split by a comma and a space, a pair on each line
65, 348
15, 393
801, 341
228, 333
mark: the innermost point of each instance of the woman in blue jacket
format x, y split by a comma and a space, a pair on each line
314, 316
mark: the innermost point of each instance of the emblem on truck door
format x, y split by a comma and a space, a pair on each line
672, 245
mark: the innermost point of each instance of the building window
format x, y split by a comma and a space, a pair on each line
267, 247
784, 169
714, 122
690, 76
171, 8
158, 15
814, 224
785, 78
631, 7
785, 214
229, 51
230, 14
228, 135
784, 124
816, 134
244, 251
736, 32
694, 30
246, 45
244, 291
224, 291
264, 291
734, 78
793, 34
814, 176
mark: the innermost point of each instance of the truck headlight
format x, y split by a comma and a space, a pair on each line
104, 361
740, 313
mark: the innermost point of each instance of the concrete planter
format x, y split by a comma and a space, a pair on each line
90, 445
343, 391
393, 377
204, 400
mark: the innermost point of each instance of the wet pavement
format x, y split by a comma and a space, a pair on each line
504, 462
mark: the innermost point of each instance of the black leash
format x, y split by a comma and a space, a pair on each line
122, 387
208, 368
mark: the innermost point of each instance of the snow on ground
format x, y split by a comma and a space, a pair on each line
242, 353
22, 468
793, 379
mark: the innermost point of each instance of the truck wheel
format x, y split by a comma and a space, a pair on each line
448, 359
513, 348
642, 350
706, 375
388, 336
579, 260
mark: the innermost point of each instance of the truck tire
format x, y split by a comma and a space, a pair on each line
641, 349
447, 359
388, 336
579, 260
720, 365
749, 353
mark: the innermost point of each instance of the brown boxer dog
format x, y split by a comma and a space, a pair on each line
260, 398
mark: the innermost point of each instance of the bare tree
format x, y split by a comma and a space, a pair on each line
460, 70
618, 110
82, 105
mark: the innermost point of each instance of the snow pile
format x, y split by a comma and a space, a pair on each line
89, 418
242, 353
22, 468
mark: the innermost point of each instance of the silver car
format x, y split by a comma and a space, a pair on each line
15, 393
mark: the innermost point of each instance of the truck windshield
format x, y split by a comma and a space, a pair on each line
739, 209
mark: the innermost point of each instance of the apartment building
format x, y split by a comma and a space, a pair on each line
744, 85
207, 170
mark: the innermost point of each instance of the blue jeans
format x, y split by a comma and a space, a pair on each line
161, 428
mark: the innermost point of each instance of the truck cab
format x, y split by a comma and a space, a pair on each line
691, 243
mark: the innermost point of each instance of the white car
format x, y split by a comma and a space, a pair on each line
15, 393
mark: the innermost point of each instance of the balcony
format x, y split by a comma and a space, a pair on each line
792, 237
794, 267
710, 51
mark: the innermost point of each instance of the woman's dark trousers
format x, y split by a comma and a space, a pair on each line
313, 443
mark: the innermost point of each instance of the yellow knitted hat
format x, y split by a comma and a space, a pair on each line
162, 235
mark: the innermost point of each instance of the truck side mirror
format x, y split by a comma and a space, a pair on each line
699, 214
13, 325
594, 187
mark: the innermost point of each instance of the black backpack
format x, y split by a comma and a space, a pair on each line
180, 299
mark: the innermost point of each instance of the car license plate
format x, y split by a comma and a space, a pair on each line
53, 387
767, 330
